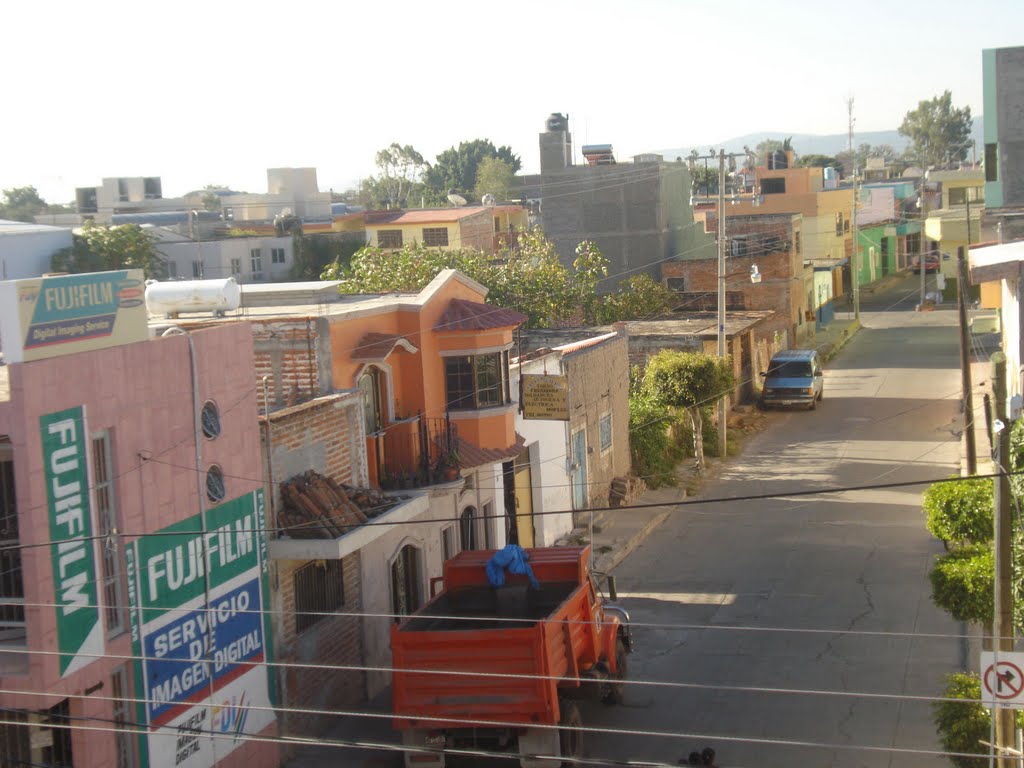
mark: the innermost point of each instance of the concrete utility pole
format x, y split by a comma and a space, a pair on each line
1005, 735
722, 409
965, 369
922, 265
856, 237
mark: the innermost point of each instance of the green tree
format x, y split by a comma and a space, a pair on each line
210, 198
315, 253
456, 167
766, 147
651, 447
639, 298
494, 176
963, 724
704, 179
399, 181
689, 381
819, 161
962, 583
22, 204
939, 133
959, 511
99, 248
530, 278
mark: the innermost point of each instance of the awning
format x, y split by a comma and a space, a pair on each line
375, 347
472, 456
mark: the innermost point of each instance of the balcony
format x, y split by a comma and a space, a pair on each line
415, 453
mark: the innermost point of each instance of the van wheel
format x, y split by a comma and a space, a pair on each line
814, 404
570, 737
616, 691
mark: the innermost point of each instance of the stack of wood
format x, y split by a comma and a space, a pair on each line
316, 507
369, 500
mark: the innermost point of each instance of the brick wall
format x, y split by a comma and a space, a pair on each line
477, 231
287, 352
332, 641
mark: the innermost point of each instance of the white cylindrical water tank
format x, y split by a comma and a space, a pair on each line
192, 296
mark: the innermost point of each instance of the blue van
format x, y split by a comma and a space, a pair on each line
794, 377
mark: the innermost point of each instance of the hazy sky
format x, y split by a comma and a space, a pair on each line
217, 91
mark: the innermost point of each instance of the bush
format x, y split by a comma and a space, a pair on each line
963, 583
960, 510
963, 725
651, 446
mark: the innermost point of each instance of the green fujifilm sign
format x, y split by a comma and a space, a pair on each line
65, 458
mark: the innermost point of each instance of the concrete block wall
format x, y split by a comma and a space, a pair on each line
287, 352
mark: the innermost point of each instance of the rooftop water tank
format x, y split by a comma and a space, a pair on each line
171, 298
557, 122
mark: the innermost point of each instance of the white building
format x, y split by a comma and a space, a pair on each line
124, 194
247, 259
289, 191
26, 249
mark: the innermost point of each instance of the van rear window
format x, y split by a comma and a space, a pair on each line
790, 369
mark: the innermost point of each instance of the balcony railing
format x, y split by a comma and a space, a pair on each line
416, 452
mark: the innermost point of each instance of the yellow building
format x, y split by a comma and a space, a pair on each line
962, 192
487, 228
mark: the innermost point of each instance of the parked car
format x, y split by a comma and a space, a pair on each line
931, 264
794, 377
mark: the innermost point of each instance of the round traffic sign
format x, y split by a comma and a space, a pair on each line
1004, 680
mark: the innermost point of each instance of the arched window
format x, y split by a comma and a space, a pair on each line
467, 529
407, 581
372, 388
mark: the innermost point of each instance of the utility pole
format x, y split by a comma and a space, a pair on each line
856, 234
1005, 734
965, 369
722, 405
922, 265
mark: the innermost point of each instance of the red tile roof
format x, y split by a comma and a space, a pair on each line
472, 456
465, 315
377, 346
422, 216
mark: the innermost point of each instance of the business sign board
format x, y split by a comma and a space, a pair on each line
66, 468
50, 316
197, 593
545, 397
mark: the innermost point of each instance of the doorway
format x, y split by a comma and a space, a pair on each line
523, 500
578, 469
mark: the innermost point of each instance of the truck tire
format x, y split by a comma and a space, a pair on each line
616, 692
570, 737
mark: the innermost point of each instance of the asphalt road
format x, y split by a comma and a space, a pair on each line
800, 620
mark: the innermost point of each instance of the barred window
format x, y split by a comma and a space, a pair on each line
106, 514
319, 590
435, 236
476, 381
389, 238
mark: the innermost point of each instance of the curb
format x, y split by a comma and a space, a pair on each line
834, 348
616, 557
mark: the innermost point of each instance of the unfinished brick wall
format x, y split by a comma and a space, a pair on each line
332, 641
286, 351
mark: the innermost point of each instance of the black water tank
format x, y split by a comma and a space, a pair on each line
557, 122
777, 160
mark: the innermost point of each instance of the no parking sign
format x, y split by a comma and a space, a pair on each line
1002, 679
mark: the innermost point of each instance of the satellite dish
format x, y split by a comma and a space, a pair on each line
285, 212
488, 199
455, 198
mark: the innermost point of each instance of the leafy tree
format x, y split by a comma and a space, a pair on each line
861, 154
819, 161
98, 248
963, 582
960, 510
766, 147
652, 450
939, 133
456, 168
639, 298
210, 198
315, 253
689, 381
22, 204
963, 725
495, 177
399, 180
704, 179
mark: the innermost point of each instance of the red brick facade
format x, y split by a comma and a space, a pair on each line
287, 353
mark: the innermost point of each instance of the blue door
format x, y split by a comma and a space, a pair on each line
579, 470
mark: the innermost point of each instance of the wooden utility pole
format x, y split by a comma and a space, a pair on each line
1005, 736
965, 369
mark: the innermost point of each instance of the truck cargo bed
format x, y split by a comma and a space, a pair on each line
454, 610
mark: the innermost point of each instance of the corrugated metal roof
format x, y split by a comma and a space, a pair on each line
464, 315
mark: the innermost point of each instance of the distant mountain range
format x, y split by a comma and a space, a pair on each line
812, 144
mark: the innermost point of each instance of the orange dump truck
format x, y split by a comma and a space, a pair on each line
501, 668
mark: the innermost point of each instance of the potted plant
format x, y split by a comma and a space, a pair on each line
450, 465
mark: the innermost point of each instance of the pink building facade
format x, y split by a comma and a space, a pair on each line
133, 594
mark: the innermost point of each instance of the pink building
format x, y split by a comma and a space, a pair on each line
131, 528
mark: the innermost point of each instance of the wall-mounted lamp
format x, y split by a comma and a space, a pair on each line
755, 275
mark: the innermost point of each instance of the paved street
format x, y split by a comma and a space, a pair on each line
772, 594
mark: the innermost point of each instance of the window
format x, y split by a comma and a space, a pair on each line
773, 186
449, 547
229, 214
991, 162
197, 269
488, 520
319, 589
476, 381
277, 255
406, 581
839, 223
677, 284
846, 225
122, 191
467, 529
236, 266
210, 418
256, 262
215, 490
605, 429
389, 238
796, 241
152, 188
371, 387
122, 718
435, 236
965, 195
12, 590
172, 269
497, 224
106, 514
